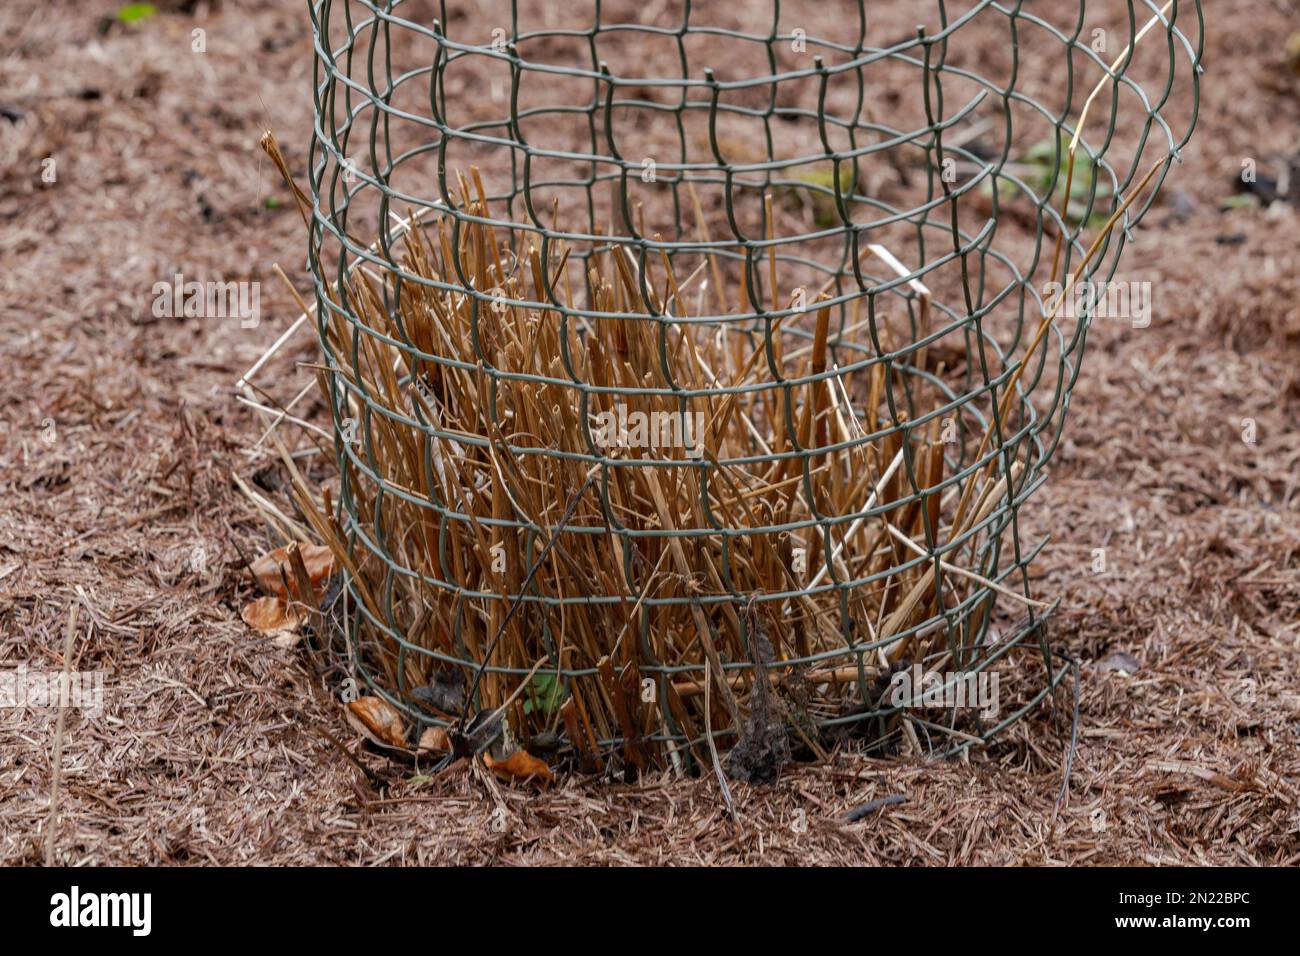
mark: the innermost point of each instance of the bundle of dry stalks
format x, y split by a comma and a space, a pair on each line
612, 519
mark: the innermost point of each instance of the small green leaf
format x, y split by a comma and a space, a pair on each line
1049, 163
273, 202
1042, 153
826, 178
546, 693
135, 12
825, 212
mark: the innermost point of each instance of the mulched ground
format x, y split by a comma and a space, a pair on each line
120, 435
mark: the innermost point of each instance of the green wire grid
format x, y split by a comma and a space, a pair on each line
377, 120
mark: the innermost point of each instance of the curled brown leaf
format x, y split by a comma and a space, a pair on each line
378, 718
272, 570
520, 765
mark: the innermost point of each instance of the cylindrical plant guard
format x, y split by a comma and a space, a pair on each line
690, 373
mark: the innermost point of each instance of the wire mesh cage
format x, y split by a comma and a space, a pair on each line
691, 365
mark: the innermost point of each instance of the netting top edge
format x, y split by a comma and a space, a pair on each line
862, 54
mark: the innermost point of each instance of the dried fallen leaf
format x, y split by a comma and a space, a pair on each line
272, 570
435, 740
520, 765
270, 615
377, 718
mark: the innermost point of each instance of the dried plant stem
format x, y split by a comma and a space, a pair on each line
51, 828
